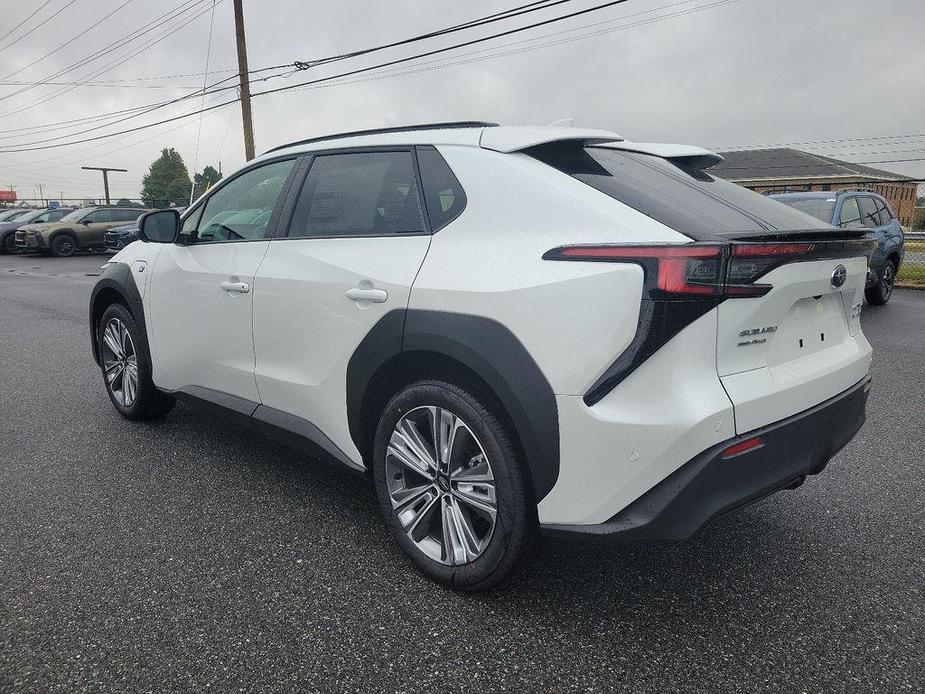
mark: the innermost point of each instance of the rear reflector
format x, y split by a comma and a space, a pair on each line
693, 270
742, 447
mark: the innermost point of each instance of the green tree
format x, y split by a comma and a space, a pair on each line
919, 223
167, 181
205, 180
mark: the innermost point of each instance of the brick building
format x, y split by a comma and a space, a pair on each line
783, 170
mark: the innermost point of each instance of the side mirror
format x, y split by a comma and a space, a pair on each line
160, 226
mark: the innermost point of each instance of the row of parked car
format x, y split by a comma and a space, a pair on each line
62, 231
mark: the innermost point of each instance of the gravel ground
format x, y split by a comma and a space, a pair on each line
188, 555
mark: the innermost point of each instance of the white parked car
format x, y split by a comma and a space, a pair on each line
509, 328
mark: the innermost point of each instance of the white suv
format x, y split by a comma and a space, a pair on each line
508, 328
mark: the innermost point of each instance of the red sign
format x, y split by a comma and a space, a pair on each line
7, 196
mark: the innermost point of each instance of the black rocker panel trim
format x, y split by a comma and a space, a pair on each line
490, 351
289, 430
117, 277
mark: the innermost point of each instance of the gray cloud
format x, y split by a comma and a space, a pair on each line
747, 72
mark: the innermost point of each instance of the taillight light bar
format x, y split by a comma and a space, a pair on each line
695, 269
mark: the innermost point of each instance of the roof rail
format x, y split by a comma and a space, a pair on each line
396, 129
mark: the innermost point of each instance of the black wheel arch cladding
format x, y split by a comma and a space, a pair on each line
484, 347
116, 282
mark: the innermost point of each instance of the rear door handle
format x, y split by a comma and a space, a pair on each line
236, 287
375, 296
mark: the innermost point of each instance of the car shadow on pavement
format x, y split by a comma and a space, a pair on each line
745, 564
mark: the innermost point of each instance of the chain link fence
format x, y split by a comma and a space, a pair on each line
912, 270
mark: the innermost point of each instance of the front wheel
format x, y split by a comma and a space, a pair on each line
63, 246
126, 367
9, 244
881, 292
451, 485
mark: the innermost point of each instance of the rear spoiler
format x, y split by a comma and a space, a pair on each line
811, 235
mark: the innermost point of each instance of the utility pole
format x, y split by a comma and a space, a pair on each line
245, 81
42, 194
105, 170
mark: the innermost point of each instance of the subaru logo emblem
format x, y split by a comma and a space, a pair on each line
839, 275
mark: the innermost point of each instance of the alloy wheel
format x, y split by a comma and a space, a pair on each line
64, 246
441, 485
120, 362
886, 281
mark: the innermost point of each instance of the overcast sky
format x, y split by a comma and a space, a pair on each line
723, 73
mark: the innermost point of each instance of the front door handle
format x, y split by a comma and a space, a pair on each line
236, 287
375, 296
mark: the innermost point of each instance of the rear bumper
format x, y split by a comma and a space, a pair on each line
710, 485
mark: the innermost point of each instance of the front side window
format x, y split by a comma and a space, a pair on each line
362, 194
850, 214
869, 216
241, 209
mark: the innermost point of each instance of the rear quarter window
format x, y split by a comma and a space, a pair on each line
688, 200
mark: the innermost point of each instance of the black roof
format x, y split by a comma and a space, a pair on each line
396, 129
783, 162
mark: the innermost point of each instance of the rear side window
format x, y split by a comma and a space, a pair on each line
886, 216
443, 194
55, 215
361, 194
125, 215
869, 216
98, 217
690, 201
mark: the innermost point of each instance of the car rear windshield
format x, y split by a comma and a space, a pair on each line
686, 199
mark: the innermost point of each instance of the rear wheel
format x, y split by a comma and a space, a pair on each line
881, 292
126, 367
63, 245
451, 485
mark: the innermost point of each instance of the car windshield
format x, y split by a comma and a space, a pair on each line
820, 208
32, 216
10, 215
76, 215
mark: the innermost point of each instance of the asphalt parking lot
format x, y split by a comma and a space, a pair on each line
187, 555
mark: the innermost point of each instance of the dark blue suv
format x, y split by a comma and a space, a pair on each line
858, 209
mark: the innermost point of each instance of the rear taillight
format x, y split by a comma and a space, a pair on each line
695, 269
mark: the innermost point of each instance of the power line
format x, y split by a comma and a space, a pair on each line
169, 31
153, 25
482, 55
76, 36
39, 144
40, 8
480, 21
40, 24
821, 142
202, 102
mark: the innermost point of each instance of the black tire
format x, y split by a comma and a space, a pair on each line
148, 402
9, 243
881, 292
63, 245
515, 524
